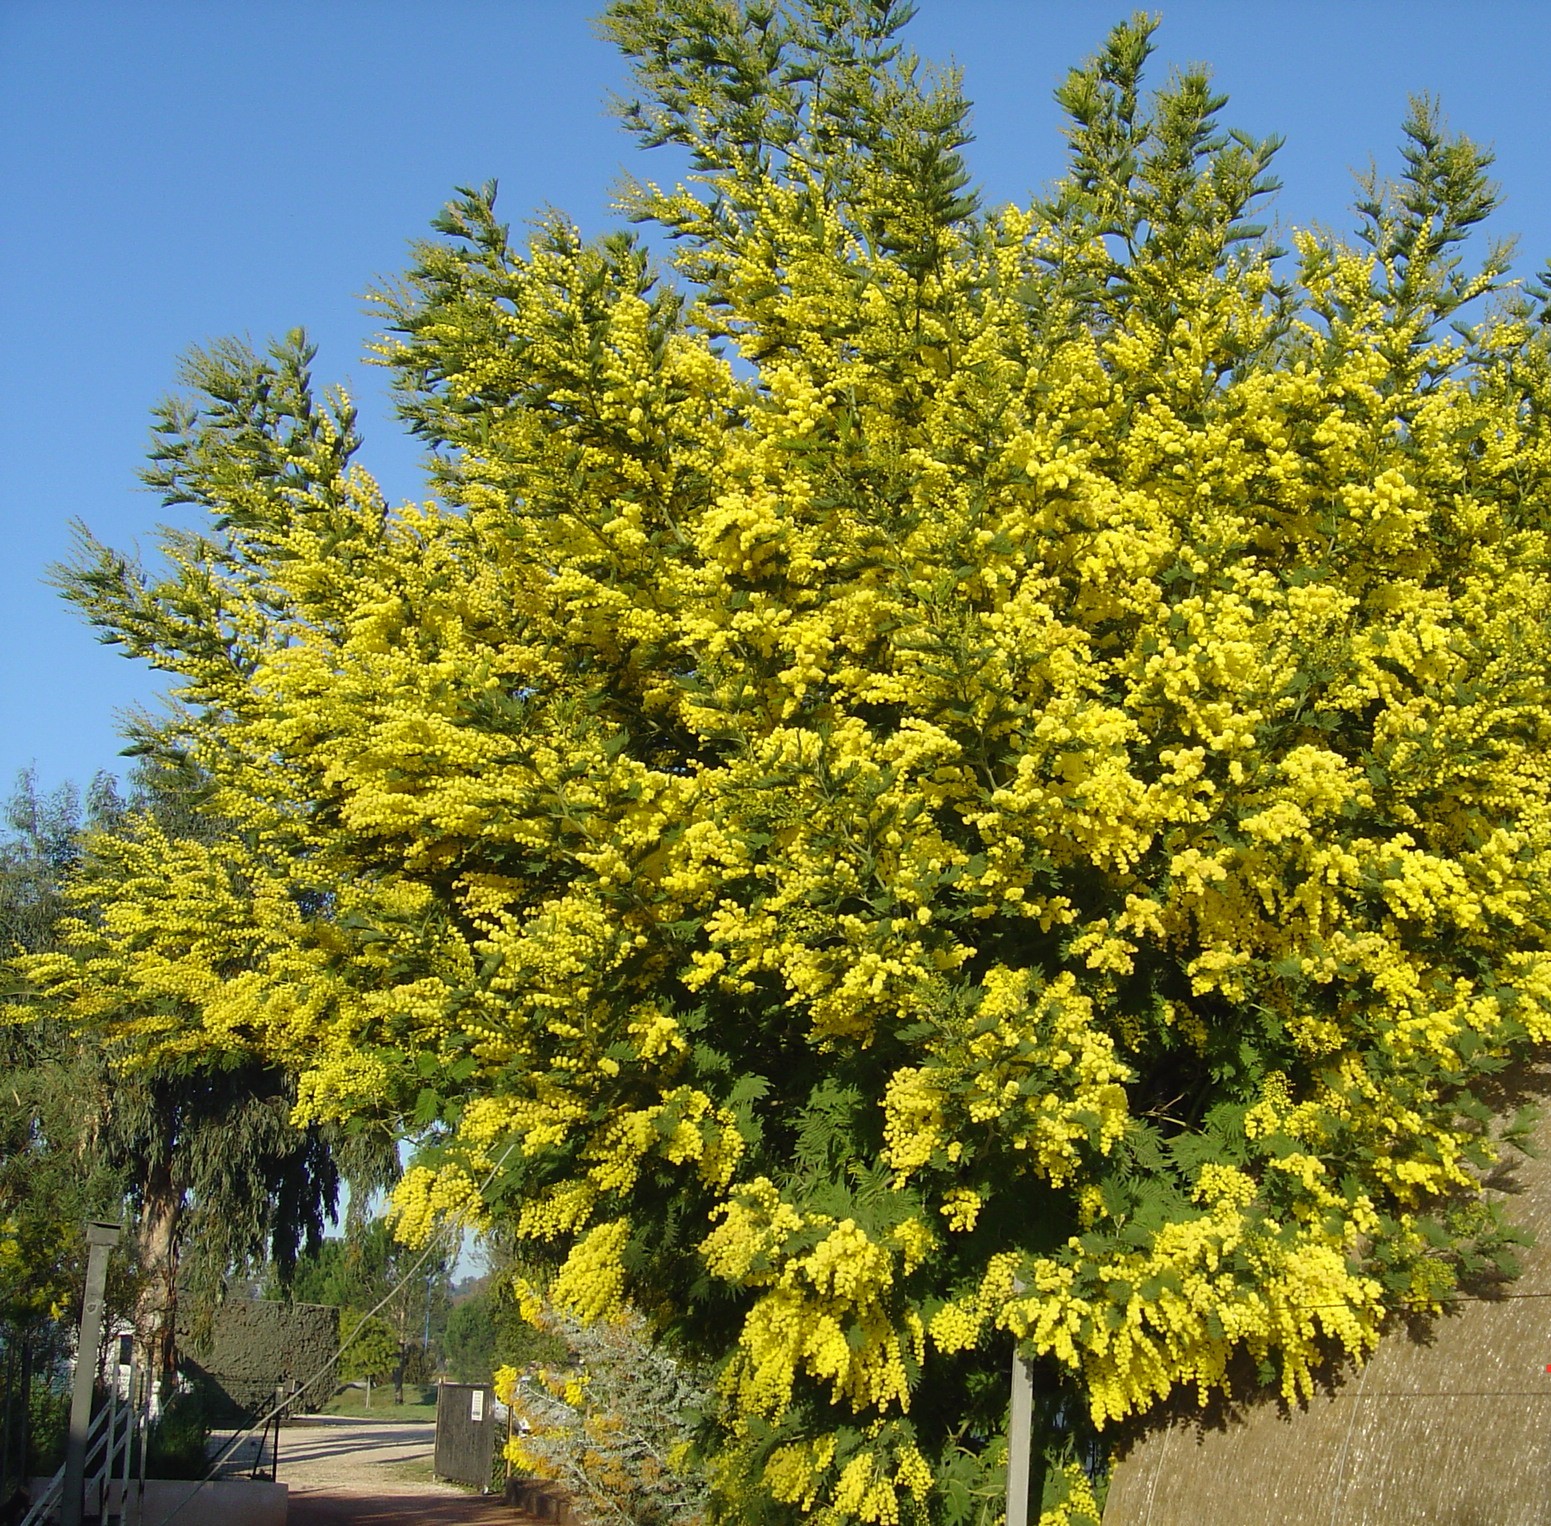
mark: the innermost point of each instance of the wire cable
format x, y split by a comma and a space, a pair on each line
434, 1243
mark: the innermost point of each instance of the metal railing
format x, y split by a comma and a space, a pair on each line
110, 1442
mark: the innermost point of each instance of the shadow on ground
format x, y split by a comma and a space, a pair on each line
319, 1508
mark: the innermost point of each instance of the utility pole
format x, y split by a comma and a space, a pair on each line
100, 1238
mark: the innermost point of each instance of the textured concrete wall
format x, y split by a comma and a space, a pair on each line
1449, 1424
255, 1346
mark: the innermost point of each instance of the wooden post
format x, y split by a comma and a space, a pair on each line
100, 1238
1020, 1439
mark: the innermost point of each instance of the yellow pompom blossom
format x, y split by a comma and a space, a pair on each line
1074, 1503
35, 1282
591, 1283
424, 1200
931, 778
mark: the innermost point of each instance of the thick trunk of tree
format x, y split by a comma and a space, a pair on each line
18, 1408
26, 1400
156, 1310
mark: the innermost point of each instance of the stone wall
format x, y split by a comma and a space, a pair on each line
1449, 1423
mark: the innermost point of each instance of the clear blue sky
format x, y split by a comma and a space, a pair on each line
174, 171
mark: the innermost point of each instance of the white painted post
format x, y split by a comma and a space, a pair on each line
129, 1436
100, 1238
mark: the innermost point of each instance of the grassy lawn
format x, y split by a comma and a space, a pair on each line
420, 1403
417, 1471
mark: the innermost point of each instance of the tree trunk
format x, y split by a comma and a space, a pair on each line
26, 1415
398, 1375
156, 1309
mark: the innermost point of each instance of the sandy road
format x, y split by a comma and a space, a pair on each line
341, 1472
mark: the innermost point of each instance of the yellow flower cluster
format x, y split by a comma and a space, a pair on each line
1078, 1505
1220, 1282
824, 1310
591, 1283
1033, 1064
870, 1486
423, 1201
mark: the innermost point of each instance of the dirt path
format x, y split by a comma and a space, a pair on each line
343, 1472
324, 1508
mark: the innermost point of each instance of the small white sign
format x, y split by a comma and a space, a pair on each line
478, 1401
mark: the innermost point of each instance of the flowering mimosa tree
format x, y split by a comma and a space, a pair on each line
929, 778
